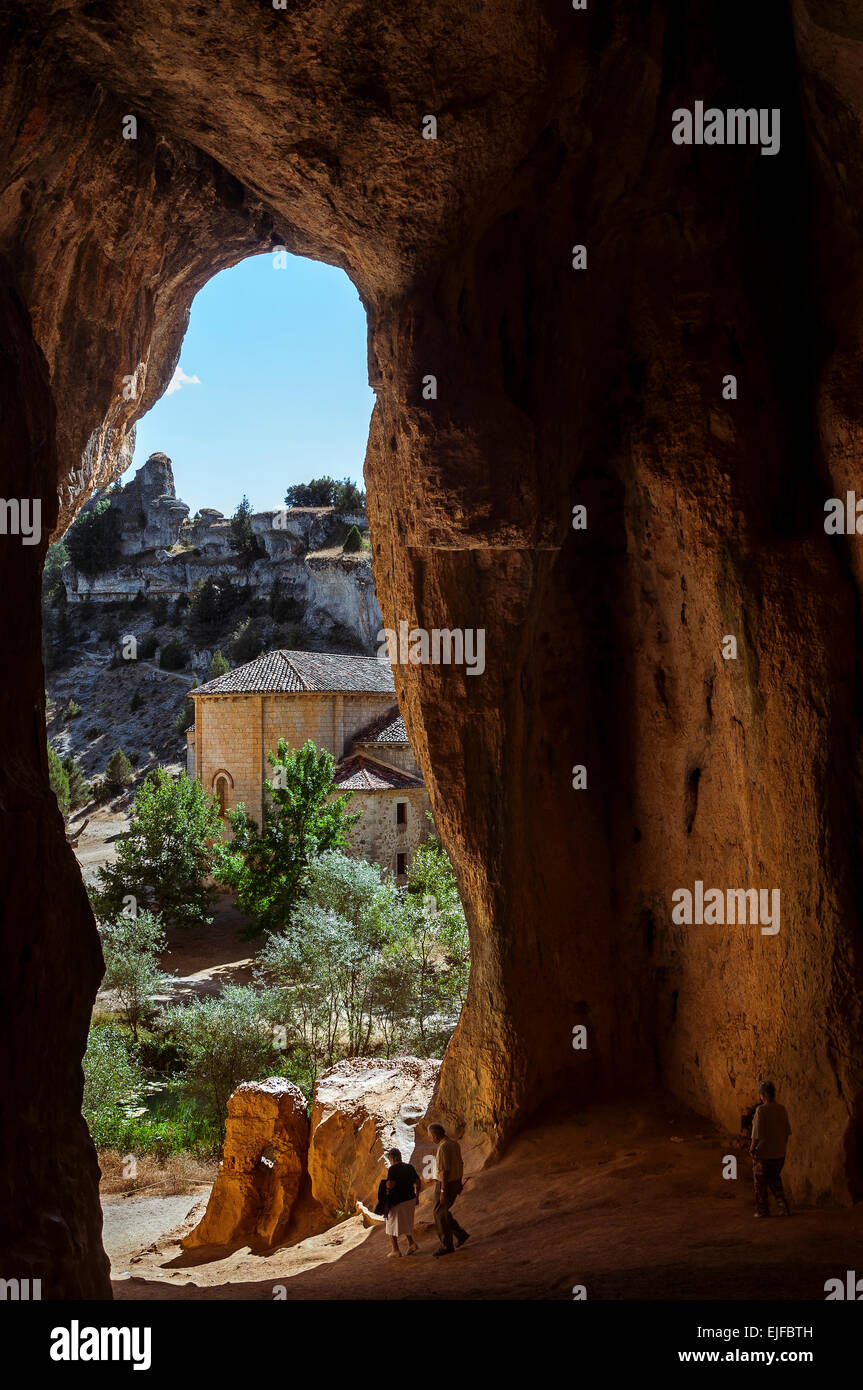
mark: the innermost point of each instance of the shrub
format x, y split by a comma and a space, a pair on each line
173, 656
95, 731
71, 709
147, 646
118, 773
111, 1081
345, 496
136, 702
353, 541
79, 790
159, 609
186, 717
131, 946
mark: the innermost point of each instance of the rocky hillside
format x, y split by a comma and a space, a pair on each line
124, 640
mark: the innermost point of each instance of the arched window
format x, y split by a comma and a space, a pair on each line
222, 785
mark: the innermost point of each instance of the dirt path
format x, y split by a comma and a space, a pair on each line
606, 1200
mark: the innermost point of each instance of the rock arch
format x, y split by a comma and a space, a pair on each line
555, 387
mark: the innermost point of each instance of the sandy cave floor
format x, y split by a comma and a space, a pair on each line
606, 1199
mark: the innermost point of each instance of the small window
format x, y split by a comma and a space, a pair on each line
401, 865
401, 813
222, 794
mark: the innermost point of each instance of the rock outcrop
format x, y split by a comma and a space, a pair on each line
262, 1169
332, 594
361, 1108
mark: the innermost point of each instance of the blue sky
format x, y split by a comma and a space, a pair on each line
271, 389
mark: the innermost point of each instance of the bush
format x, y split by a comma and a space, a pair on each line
165, 855
112, 1080
94, 731
136, 702
186, 717
52, 573
245, 542
173, 656
147, 646
223, 1041
118, 773
159, 609
353, 541
71, 709
131, 946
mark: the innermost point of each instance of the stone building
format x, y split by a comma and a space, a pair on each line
345, 704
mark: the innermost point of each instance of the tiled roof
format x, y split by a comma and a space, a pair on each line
287, 671
361, 774
389, 727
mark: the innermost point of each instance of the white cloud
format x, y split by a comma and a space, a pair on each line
180, 379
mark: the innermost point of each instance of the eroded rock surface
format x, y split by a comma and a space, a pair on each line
262, 1169
361, 1108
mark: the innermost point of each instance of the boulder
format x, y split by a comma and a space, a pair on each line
262, 1169
362, 1107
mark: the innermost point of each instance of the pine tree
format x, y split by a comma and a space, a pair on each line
119, 772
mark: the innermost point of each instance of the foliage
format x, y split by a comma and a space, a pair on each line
353, 541
118, 772
93, 540
173, 656
219, 666
267, 868
79, 790
186, 717
52, 573
165, 855
245, 643
345, 496
159, 609
71, 709
111, 1080
147, 646
131, 946
223, 1041
58, 777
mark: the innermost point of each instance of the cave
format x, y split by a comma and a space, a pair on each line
582, 289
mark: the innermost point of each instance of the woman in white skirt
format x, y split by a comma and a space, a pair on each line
402, 1194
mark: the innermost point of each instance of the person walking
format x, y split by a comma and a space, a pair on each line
770, 1134
402, 1194
449, 1171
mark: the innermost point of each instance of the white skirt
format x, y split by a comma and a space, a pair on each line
400, 1219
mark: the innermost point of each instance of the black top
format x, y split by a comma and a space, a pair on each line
405, 1177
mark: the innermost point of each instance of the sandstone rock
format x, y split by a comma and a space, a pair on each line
362, 1107
262, 1168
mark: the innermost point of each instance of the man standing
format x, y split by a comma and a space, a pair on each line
770, 1132
449, 1171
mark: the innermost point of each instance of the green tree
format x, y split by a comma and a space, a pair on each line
243, 538
267, 867
59, 780
186, 717
79, 789
93, 541
353, 541
52, 572
165, 855
118, 772
223, 1041
245, 644
345, 496
131, 946
219, 666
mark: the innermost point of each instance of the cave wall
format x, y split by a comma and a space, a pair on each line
301, 127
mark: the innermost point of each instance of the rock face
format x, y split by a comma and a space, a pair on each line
555, 387
332, 594
262, 1168
361, 1108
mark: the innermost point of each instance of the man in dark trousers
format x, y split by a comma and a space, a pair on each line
770, 1132
449, 1171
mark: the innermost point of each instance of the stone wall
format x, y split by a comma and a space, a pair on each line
378, 837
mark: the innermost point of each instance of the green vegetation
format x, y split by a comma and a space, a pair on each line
244, 541
79, 789
245, 643
219, 666
345, 496
132, 946
173, 656
353, 541
118, 772
58, 778
165, 855
93, 540
266, 867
